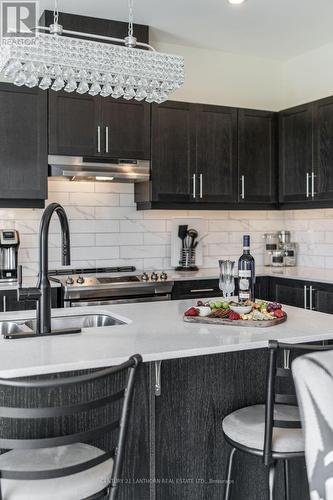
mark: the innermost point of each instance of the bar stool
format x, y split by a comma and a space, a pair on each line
313, 376
65, 466
272, 431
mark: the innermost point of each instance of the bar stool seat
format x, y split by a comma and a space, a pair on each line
74, 487
246, 427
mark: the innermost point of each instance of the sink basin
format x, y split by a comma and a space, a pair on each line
79, 321
10, 328
22, 329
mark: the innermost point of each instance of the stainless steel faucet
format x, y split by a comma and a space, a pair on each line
42, 292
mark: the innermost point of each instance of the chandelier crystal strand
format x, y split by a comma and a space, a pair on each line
94, 67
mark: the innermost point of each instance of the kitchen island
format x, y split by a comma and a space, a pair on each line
176, 448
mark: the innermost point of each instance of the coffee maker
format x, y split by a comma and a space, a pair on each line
9, 244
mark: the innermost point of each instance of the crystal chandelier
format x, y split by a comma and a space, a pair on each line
93, 67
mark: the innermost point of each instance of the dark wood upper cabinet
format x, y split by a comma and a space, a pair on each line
173, 152
82, 125
296, 165
257, 156
73, 124
125, 129
216, 154
323, 149
23, 146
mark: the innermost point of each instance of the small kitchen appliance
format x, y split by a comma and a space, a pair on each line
9, 245
271, 246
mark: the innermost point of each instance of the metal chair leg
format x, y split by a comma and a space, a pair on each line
271, 480
286, 480
228, 483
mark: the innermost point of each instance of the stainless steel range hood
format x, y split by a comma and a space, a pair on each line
78, 168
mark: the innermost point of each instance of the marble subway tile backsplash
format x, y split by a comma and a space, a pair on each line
107, 230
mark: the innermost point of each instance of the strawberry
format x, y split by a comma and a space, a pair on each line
192, 312
278, 313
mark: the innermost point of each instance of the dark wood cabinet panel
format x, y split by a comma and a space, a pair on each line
257, 159
287, 291
73, 122
125, 129
82, 125
262, 288
323, 149
9, 302
216, 154
191, 453
23, 146
295, 136
173, 152
196, 289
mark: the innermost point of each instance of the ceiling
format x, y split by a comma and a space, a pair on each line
277, 29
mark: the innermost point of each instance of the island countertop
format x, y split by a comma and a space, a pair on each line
154, 330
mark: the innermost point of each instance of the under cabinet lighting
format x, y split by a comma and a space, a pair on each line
101, 178
236, 2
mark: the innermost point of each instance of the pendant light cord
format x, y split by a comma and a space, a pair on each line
55, 12
130, 18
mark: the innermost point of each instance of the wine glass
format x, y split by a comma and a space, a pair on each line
227, 280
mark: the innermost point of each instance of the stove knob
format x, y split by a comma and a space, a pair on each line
80, 280
145, 277
69, 280
163, 276
154, 276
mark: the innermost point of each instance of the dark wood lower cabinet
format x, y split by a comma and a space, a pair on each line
9, 302
191, 453
175, 448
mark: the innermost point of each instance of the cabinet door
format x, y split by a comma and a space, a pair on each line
257, 156
173, 152
289, 292
126, 129
23, 143
296, 153
322, 298
323, 149
73, 124
216, 159
196, 289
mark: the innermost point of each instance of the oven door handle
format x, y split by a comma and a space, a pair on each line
110, 302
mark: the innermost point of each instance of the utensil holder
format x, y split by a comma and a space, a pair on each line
187, 259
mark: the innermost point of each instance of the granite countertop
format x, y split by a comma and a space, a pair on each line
154, 330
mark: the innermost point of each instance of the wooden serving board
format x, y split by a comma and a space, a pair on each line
250, 323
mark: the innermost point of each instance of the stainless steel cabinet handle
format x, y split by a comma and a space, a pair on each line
305, 297
312, 290
4, 303
313, 184
307, 185
200, 185
243, 187
202, 290
106, 139
194, 186
98, 139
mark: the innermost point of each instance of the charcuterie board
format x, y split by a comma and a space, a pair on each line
250, 323
258, 314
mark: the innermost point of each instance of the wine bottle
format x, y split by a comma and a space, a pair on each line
246, 272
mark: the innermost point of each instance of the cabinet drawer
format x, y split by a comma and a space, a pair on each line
196, 289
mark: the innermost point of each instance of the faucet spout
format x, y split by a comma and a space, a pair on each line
44, 302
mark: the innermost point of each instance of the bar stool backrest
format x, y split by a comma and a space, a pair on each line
274, 397
118, 401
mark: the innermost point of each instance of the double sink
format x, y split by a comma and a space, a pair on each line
19, 328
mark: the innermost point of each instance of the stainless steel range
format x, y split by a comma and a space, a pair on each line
116, 285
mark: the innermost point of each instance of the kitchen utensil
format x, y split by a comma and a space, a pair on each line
182, 233
193, 234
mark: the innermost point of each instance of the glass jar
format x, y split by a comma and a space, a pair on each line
278, 258
290, 254
271, 244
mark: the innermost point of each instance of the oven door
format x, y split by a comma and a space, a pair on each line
123, 300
